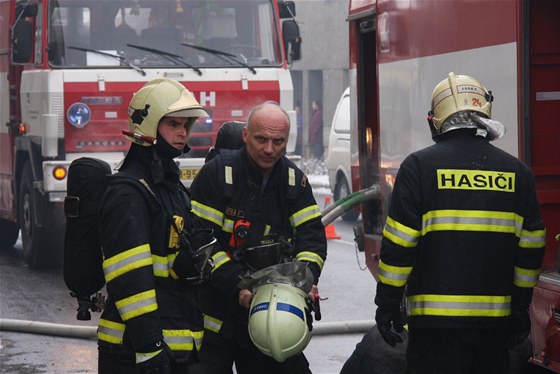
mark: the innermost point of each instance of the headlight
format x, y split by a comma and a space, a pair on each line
78, 115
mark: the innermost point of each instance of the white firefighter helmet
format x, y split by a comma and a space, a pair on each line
278, 324
458, 93
156, 99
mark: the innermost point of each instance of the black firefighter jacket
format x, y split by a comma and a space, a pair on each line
269, 210
463, 234
144, 303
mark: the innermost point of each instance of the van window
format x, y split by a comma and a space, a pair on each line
342, 121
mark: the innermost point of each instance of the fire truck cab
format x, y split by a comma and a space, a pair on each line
399, 51
68, 69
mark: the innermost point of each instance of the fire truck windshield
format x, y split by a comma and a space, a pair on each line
199, 34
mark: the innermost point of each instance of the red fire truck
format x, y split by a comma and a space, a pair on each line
400, 50
68, 69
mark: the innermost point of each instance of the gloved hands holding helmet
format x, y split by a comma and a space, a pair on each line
155, 358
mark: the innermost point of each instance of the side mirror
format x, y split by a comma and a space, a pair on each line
22, 42
292, 40
22, 37
287, 9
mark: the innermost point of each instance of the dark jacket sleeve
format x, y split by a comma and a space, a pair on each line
207, 204
305, 218
127, 264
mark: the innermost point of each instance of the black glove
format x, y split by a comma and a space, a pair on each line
520, 327
193, 259
160, 363
388, 320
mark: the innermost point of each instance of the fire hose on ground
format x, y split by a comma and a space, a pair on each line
90, 332
329, 213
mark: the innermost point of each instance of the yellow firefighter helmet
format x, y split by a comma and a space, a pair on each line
459, 93
156, 99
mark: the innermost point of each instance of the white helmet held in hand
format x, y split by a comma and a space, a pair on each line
156, 99
278, 320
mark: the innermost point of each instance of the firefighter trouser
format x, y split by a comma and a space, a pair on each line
457, 351
218, 356
115, 360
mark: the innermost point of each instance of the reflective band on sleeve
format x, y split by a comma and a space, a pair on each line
400, 234
129, 260
532, 239
393, 275
472, 220
311, 257
305, 215
183, 340
207, 213
212, 324
218, 259
136, 305
111, 332
162, 264
459, 305
525, 278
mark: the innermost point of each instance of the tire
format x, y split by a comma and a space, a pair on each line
42, 246
341, 190
9, 232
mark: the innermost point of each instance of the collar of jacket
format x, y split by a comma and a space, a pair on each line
254, 175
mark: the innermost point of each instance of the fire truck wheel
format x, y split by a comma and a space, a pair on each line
42, 245
341, 190
9, 232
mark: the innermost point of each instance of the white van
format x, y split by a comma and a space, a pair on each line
338, 154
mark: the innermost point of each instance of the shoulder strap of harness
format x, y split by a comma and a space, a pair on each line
141, 184
228, 163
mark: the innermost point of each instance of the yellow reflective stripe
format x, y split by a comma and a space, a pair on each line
143, 357
305, 215
207, 213
400, 234
532, 239
310, 257
228, 225
219, 258
212, 324
183, 340
136, 305
126, 261
267, 229
393, 275
162, 264
525, 278
459, 305
291, 176
111, 332
472, 220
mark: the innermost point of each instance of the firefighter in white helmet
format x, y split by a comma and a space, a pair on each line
463, 241
153, 321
